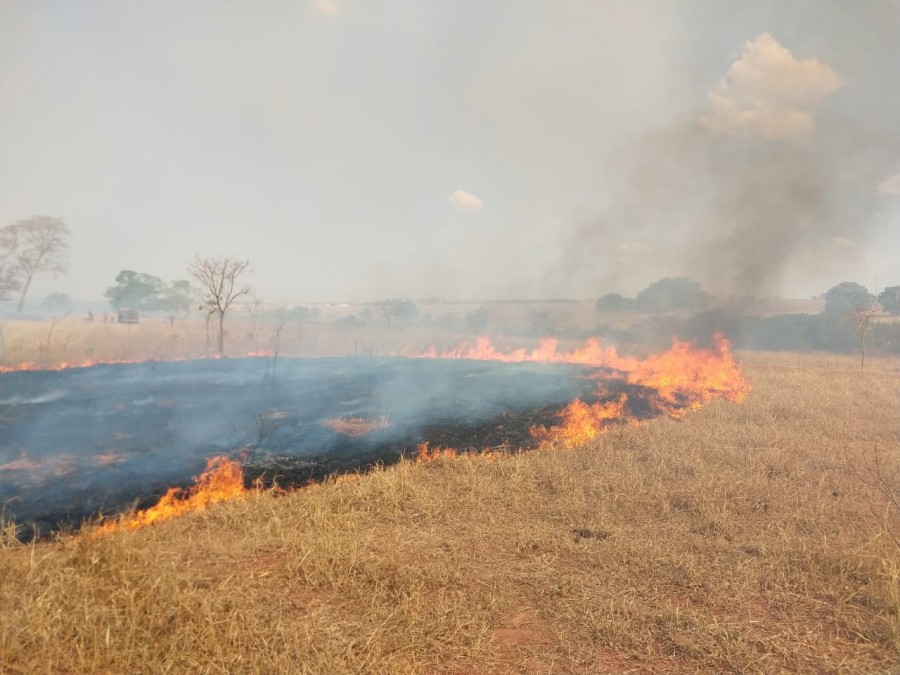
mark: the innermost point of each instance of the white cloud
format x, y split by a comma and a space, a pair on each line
465, 201
329, 7
891, 186
769, 92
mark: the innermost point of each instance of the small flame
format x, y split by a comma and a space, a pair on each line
581, 422
425, 453
357, 426
222, 480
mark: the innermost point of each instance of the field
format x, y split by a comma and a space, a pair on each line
757, 537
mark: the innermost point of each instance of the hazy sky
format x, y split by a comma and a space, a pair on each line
363, 149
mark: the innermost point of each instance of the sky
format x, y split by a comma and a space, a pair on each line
359, 150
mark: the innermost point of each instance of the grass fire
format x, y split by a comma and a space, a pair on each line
432, 338
453, 487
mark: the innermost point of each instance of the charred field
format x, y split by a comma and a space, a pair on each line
78, 443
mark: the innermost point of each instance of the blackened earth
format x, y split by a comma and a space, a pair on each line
82, 442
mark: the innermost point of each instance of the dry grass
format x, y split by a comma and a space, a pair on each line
747, 538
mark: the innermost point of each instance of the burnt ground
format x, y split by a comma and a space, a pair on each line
78, 443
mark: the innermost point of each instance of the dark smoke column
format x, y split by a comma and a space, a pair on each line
219, 276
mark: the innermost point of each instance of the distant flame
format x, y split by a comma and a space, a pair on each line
222, 480
425, 453
357, 426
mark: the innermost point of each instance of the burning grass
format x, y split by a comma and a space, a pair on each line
222, 480
357, 426
747, 538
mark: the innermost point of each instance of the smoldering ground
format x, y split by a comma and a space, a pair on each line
82, 441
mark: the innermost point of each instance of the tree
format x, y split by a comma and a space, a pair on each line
672, 293
219, 279
35, 245
860, 317
9, 282
847, 296
613, 302
889, 298
178, 298
399, 309
136, 290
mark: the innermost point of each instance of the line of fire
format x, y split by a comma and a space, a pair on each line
124, 445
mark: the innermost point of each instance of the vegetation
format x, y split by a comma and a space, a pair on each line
751, 538
219, 278
614, 302
671, 294
889, 299
30, 247
147, 293
847, 296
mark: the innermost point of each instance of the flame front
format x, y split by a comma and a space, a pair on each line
682, 378
222, 480
672, 382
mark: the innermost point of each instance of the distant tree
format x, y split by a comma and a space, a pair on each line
847, 296
860, 318
219, 279
672, 293
613, 302
303, 314
32, 246
177, 298
399, 309
9, 281
889, 298
57, 302
136, 290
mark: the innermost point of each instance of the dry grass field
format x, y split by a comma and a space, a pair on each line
759, 537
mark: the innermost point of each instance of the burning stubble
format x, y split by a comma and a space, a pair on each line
472, 398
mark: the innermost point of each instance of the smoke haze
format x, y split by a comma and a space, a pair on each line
359, 150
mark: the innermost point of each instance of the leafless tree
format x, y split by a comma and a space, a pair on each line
860, 318
219, 277
35, 245
253, 307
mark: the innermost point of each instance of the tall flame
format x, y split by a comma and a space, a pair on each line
222, 480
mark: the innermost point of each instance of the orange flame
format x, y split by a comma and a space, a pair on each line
581, 422
679, 379
357, 426
425, 453
222, 480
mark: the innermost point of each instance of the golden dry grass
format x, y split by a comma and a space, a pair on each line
743, 538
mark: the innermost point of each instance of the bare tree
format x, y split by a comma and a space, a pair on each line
860, 317
219, 277
35, 245
253, 307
